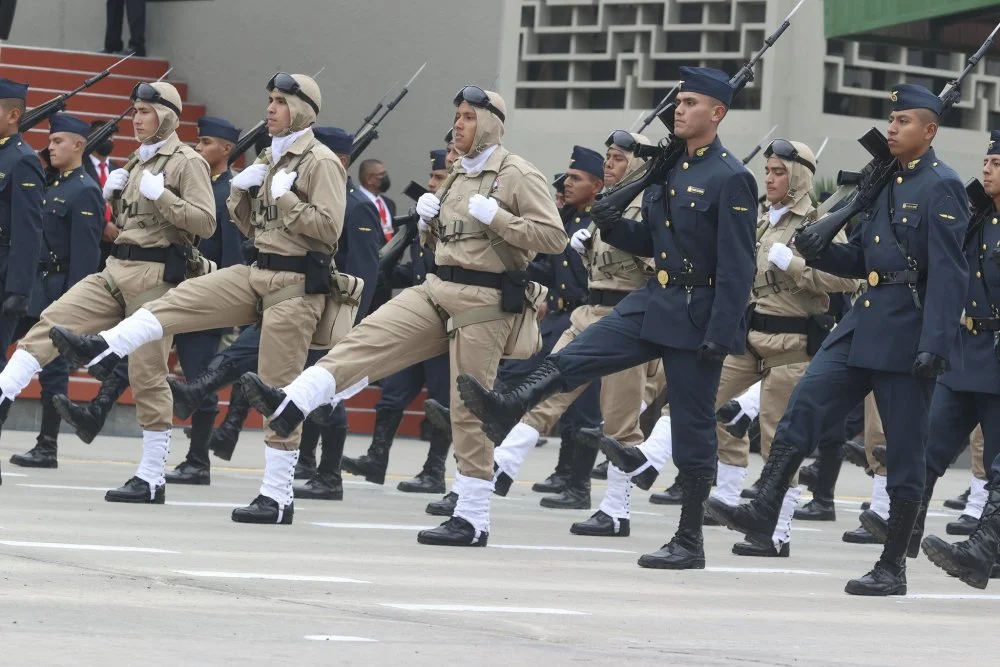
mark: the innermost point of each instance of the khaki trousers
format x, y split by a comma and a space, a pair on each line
89, 307
228, 298
741, 372
976, 445
411, 328
621, 393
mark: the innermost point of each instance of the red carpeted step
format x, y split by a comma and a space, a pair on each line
67, 80
146, 68
103, 105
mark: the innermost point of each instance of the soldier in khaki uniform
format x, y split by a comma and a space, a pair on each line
612, 274
787, 300
490, 194
292, 200
161, 202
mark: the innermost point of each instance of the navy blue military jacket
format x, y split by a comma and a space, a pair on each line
706, 214
22, 187
413, 266
564, 273
72, 221
360, 241
225, 246
974, 363
917, 222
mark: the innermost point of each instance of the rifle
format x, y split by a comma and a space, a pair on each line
760, 146
980, 206
45, 111
249, 138
108, 130
878, 172
822, 147
390, 254
368, 131
666, 153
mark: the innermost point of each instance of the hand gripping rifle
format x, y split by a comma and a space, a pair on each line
45, 111
666, 154
868, 183
368, 131
106, 131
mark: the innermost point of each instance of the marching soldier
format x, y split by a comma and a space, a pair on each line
484, 225
72, 220
909, 245
399, 389
161, 202
699, 229
292, 201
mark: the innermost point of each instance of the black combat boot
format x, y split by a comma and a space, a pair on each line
760, 515
137, 490
601, 524
576, 495
854, 452
859, 536
327, 483
930, 480
372, 465
223, 440
264, 510
751, 491
266, 399
305, 467
600, 471
500, 412
443, 507
972, 560
431, 478
964, 525
888, 577
822, 485
455, 532
196, 468
438, 415
670, 496
88, 420
626, 459
189, 395
80, 349
43, 454
556, 482
959, 502
728, 413
686, 551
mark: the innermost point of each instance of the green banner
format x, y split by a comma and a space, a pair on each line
842, 18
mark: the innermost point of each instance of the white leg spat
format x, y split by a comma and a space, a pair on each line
880, 497
977, 498
618, 496
17, 374
279, 473
729, 484
783, 529
514, 449
155, 448
474, 501
312, 388
130, 334
659, 447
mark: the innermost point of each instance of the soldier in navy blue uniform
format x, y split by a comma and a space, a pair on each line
22, 187
72, 219
699, 227
399, 389
969, 394
894, 342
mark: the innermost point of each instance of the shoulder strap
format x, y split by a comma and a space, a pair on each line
294, 161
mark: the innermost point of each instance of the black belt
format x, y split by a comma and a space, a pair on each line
54, 266
878, 278
606, 297
456, 274
567, 305
5, 240
684, 279
137, 254
775, 324
270, 261
982, 323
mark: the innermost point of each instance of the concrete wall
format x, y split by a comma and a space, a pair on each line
227, 49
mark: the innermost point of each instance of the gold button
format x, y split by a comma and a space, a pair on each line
419, 276
562, 285
905, 220
867, 303
672, 192
692, 204
899, 179
421, 253
725, 154
984, 246
663, 277
667, 223
877, 239
973, 304
565, 263
663, 255
577, 219
979, 274
685, 165
994, 221
975, 332
935, 164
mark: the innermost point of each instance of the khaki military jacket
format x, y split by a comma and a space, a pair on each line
607, 267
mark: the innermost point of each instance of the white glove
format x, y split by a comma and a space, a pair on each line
251, 177
116, 181
482, 208
428, 206
151, 186
580, 237
423, 226
282, 183
780, 255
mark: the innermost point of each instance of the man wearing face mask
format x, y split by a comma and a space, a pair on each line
787, 324
162, 202
491, 193
292, 201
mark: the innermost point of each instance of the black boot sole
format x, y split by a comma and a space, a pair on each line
495, 429
62, 406
553, 505
159, 499
430, 538
286, 519
101, 370
305, 494
256, 398
858, 589
761, 551
664, 499
583, 528
593, 438
726, 515
658, 564
823, 515
189, 481
938, 552
871, 522
22, 462
416, 487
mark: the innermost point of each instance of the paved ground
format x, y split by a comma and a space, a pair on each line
83, 582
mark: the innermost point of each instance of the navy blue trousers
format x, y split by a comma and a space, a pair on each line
399, 389
953, 416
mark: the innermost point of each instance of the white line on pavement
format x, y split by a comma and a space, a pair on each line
67, 488
484, 608
85, 547
945, 596
370, 526
533, 547
270, 577
15, 474
338, 638
763, 570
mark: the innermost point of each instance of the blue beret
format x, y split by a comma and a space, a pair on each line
12, 90
437, 159
337, 140
63, 122
559, 181
450, 137
213, 126
993, 147
911, 96
707, 81
587, 160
